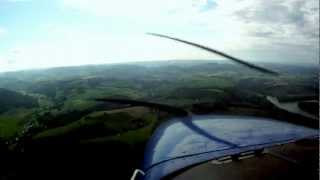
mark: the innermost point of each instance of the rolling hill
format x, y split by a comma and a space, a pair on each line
12, 99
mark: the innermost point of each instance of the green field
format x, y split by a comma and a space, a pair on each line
54, 111
60, 102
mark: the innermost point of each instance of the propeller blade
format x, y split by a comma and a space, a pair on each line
250, 65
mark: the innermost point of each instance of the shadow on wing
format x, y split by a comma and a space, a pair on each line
187, 118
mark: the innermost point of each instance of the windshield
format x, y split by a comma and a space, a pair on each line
98, 77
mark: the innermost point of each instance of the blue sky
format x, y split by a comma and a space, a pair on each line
50, 33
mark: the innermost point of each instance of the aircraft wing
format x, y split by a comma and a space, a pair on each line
183, 142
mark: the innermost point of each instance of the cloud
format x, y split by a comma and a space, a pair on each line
272, 12
105, 31
273, 28
293, 18
71, 46
287, 29
183, 18
262, 33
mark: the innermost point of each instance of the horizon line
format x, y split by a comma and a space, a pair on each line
150, 61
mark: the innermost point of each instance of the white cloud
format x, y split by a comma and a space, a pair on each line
3, 61
75, 47
250, 29
227, 26
287, 26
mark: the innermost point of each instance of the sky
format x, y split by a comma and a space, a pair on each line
53, 33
